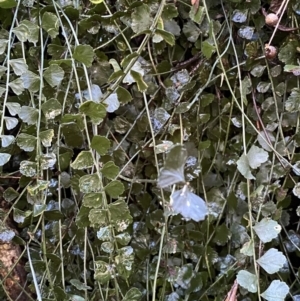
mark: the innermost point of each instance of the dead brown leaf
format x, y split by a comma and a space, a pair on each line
264, 11
284, 28
280, 27
275, 5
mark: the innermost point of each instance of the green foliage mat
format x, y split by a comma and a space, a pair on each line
99, 100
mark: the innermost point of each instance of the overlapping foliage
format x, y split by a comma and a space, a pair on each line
93, 98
